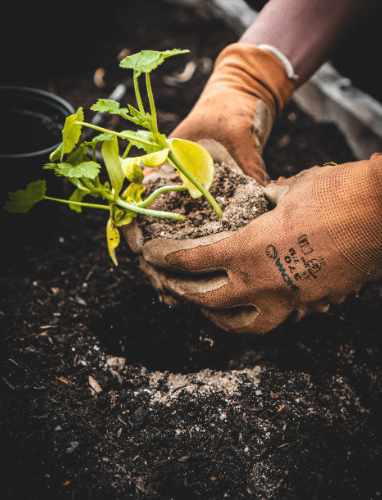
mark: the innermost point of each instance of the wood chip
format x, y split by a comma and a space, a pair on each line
213, 478
120, 420
98, 78
72, 447
8, 384
140, 486
124, 53
44, 334
94, 384
184, 458
65, 380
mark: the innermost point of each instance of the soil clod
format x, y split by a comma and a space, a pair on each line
240, 197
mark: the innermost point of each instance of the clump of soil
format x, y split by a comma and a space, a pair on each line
240, 197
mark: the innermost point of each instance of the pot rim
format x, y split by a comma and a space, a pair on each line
64, 105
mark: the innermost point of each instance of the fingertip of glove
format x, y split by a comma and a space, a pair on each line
232, 319
156, 251
274, 193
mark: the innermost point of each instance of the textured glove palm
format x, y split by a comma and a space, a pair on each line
321, 242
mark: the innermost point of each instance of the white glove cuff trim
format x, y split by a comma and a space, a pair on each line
287, 64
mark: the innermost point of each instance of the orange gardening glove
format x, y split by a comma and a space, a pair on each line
247, 89
321, 242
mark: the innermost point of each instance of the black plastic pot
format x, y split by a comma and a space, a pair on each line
31, 123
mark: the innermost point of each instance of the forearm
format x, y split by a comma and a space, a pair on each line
307, 31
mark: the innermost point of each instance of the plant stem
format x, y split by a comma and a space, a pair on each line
127, 150
153, 213
123, 136
121, 203
138, 95
158, 192
68, 202
152, 103
179, 165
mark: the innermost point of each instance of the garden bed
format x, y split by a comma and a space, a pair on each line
191, 411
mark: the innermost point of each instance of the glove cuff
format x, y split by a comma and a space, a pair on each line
286, 62
350, 198
260, 72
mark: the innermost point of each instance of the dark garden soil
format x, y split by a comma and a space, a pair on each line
191, 411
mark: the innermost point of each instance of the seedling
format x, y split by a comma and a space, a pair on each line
192, 162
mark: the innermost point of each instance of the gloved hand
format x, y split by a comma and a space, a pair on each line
321, 242
247, 89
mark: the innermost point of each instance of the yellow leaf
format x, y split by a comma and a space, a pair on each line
133, 193
155, 159
126, 219
197, 161
113, 238
110, 155
132, 170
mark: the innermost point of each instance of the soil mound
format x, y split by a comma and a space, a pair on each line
240, 197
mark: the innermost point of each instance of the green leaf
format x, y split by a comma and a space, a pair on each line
132, 194
107, 105
88, 169
57, 153
22, 200
113, 238
197, 161
134, 112
99, 138
145, 135
78, 184
78, 156
147, 60
50, 166
113, 162
77, 195
142, 119
72, 131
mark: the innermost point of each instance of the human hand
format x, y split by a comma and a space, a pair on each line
247, 89
321, 242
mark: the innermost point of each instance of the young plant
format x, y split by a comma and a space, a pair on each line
192, 162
